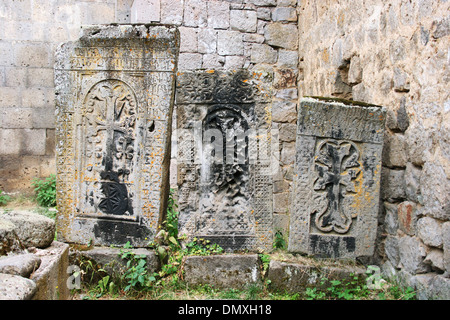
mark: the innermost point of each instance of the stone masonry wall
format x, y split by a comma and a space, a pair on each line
394, 54
30, 30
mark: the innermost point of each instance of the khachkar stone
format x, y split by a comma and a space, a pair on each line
225, 162
114, 102
336, 185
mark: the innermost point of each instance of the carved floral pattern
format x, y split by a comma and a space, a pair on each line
337, 168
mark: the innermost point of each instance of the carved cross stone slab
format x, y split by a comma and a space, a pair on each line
114, 102
336, 185
225, 159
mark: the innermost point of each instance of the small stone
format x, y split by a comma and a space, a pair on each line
288, 132
391, 218
355, 71
392, 184
430, 231
412, 182
401, 83
407, 217
284, 14
441, 28
446, 245
412, 253
391, 249
435, 258
262, 53
394, 150
284, 111
287, 59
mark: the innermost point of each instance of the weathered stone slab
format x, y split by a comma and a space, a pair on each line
21, 264
336, 182
225, 162
295, 277
114, 97
13, 287
223, 271
51, 277
109, 259
32, 229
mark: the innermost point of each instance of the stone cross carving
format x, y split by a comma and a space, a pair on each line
224, 167
337, 167
115, 89
335, 190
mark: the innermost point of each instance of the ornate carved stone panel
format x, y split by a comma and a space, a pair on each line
336, 184
224, 159
114, 94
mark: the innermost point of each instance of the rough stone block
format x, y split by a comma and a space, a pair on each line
284, 14
392, 184
116, 190
40, 77
33, 230
412, 182
218, 14
282, 35
32, 55
446, 245
9, 97
109, 259
145, 11
14, 287
51, 277
172, 12
391, 218
188, 38
429, 231
16, 118
8, 237
223, 271
213, 61
243, 20
336, 185
262, 53
296, 277
20, 265
394, 151
407, 217
230, 43
284, 111
189, 61
412, 254
195, 13
234, 62
207, 41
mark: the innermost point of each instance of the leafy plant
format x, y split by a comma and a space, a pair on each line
45, 190
136, 275
265, 259
4, 198
279, 242
171, 222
